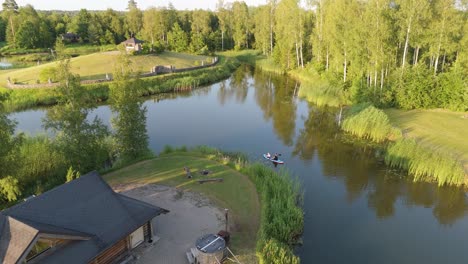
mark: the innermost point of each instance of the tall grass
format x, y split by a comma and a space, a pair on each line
425, 163
366, 121
276, 253
282, 218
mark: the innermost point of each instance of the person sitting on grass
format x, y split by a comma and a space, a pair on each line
205, 172
188, 173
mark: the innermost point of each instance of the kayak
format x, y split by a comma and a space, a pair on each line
272, 160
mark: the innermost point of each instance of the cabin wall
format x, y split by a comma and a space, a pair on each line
121, 248
117, 251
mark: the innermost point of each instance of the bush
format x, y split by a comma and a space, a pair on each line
415, 87
9, 188
451, 91
167, 149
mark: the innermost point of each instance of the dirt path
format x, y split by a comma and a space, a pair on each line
191, 215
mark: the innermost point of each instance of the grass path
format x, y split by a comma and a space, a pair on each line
437, 129
237, 192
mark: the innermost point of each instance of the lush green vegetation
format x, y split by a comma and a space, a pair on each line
429, 151
366, 121
392, 53
79, 145
282, 219
425, 163
26, 98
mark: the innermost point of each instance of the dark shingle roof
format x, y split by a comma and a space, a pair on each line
86, 208
132, 40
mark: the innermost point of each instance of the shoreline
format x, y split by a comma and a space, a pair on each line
24, 99
250, 191
300, 76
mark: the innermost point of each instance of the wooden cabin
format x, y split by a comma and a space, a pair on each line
83, 221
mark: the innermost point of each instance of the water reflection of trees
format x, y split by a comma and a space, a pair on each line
275, 96
236, 87
362, 175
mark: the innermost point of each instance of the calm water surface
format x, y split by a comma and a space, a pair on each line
356, 209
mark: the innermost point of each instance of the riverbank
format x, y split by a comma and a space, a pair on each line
262, 220
437, 129
438, 135
22, 99
98, 66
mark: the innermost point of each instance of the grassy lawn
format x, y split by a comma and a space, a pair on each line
237, 192
96, 65
438, 129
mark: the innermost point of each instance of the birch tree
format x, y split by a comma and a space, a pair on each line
240, 25
411, 16
287, 34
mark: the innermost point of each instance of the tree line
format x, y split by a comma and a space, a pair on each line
404, 53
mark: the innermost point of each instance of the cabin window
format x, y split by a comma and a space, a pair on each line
40, 247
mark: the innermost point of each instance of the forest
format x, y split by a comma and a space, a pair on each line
394, 53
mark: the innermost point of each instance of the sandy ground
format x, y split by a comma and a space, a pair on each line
191, 215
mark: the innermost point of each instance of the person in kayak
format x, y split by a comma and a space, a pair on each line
268, 155
275, 157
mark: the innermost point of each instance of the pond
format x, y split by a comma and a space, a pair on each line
356, 209
5, 63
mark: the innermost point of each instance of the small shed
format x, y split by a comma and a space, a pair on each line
133, 44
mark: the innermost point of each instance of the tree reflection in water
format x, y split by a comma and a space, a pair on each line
275, 96
362, 174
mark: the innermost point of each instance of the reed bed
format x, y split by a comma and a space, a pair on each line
282, 218
366, 121
424, 163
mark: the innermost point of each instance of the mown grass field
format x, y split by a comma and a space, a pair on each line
237, 192
96, 65
437, 129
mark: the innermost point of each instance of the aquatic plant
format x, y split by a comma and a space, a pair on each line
282, 218
425, 163
366, 121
